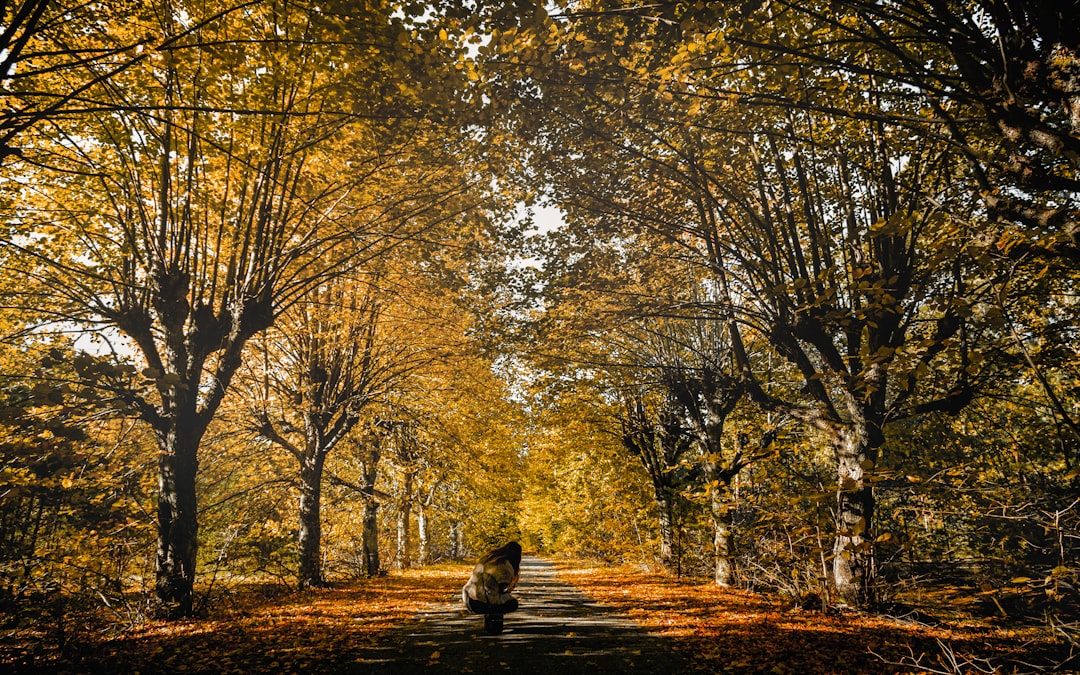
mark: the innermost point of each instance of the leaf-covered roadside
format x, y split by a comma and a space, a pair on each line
734, 631
253, 631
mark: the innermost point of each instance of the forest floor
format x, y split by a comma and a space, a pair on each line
574, 618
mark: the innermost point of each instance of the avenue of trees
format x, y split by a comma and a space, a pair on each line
274, 307
839, 230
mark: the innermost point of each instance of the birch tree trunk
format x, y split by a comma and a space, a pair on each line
404, 515
853, 555
423, 554
723, 548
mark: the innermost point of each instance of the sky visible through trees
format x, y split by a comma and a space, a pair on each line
778, 295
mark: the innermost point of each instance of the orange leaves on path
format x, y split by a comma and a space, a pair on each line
717, 630
731, 631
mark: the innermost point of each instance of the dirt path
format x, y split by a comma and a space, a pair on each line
557, 630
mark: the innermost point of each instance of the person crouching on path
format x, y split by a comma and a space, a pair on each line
488, 589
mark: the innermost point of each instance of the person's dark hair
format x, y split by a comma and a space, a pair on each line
510, 552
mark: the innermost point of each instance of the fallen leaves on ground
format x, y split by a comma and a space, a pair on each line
717, 630
732, 631
314, 631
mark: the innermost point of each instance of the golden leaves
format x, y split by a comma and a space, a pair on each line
286, 633
735, 631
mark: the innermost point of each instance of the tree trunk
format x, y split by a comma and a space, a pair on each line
370, 538
310, 536
721, 504
456, 552
853, 554
723, 553
668, 546
423, 554
369, 542
178, 525
404, 543
708, 396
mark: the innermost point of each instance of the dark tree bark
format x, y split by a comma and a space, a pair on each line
369, 540
310, 535
178, 524
669, 546
330, 362
709, 395
178, 354
658, 445
179, 428
457, 550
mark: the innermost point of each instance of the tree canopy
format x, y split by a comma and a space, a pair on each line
277, 302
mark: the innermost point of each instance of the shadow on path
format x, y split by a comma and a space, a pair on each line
557, 630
